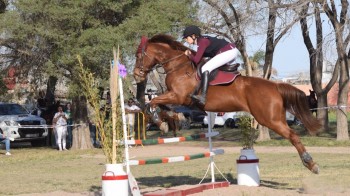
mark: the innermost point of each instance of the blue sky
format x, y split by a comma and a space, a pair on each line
290, 56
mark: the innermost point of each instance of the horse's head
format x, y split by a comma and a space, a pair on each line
139, 73
312, 94
160, 49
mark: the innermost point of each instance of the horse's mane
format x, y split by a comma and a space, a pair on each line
167, 39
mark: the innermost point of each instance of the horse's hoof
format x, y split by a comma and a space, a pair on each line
164, 127
315, 169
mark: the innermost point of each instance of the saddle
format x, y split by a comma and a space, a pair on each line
223, 75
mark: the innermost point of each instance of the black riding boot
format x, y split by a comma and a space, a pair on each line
204, 85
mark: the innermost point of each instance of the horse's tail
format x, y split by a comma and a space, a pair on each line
295, 101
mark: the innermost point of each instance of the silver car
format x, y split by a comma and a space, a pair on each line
16, 121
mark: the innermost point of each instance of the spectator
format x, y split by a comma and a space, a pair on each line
92, 127
60, 121
69, 125
130, 110
6, 140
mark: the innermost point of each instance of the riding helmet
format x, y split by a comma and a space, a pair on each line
190, 30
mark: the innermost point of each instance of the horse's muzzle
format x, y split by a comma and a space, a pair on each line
139, 75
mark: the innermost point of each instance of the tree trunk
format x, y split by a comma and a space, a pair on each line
50, 90
322, 114
342, 121
81, 132
81, 136
264, 134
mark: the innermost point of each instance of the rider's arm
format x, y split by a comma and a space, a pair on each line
203, 43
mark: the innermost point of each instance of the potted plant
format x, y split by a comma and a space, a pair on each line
248, 162
114, 179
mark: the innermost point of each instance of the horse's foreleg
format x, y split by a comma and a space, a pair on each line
164, 99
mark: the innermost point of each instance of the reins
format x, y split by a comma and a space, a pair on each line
161, 64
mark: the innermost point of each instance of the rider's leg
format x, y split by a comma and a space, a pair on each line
201, 98
217, 61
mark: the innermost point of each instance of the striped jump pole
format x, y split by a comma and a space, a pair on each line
176, 158
171, 140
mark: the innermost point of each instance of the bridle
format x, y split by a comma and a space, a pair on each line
158, 65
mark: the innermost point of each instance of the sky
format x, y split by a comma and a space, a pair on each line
291, 56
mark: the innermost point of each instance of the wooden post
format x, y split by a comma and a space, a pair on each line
114, 93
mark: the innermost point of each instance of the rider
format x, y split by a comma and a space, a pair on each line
220, 51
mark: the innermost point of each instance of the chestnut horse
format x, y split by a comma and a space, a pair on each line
267, 101
168, 119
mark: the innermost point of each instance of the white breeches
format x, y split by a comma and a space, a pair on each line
228, 56
61, 132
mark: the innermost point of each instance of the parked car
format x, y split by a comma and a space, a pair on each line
193, 116
13, 120
223, 119
292, 120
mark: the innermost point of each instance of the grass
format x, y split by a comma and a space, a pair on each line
43, 170
40, 170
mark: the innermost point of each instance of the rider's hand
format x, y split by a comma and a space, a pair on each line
187, 52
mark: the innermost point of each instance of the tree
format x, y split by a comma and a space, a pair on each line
316, 59
3, 5
339, 23
43, 37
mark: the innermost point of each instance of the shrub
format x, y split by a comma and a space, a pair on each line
249, 134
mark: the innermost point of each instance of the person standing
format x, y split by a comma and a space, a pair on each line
60, 120
130, 109
68, 113
6, 140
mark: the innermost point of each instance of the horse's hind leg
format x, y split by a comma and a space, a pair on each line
172, 125
173, 120
285, 131
304, 155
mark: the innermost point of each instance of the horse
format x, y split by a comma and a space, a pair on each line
312, 101
168, 119
266, 100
